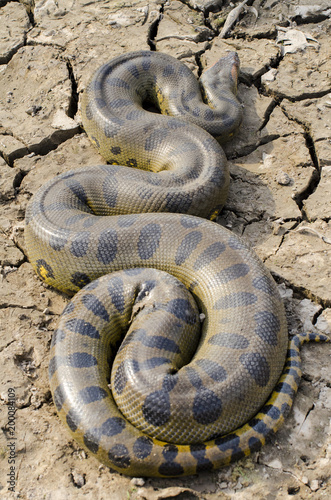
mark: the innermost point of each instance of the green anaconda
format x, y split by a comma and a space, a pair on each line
152, 377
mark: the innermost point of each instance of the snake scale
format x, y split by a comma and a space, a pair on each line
173, 356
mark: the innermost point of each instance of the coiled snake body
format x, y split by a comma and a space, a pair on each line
179, 400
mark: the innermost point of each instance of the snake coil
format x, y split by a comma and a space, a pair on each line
186, 395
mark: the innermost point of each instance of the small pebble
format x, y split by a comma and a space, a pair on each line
77, 479
283, 178
137, 481
223, 485
314, 485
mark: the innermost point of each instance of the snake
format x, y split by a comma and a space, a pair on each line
173, 356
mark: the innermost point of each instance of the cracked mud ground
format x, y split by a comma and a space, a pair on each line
279, 202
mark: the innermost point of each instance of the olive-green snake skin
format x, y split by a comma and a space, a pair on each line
195, 366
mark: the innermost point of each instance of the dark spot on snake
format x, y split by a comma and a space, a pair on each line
168, 70
90, 221
198, 451
229, 442
236, 244
195, 112
169, 381
81, 360
107, 246
213, 369
93, 304
91, 440
149, 240
75, 219
259, 426
187, 246
91, 394
188, 221
297, 340
193, 377
53, 365
209, 115
120, 378
58, 336
100, 103
116, 292
44, 270
92, 286
89, 111
118, 104
159, 342
233, 300
186, 147
80, 243
292, 372
132, 162
134, 115
209, 255
291, 353
144, 192
95, 141
267, 327
118, 83
156, 138
182, 309
285, 388
218, 178
119, 455
153, 179
156, 408
57, 241
285, 409
170, 452
80, 279
142, 447
233, 272
59, 397
271, 410
192, 286
293, 363
116, 150
146, 61
211, 145
170, 468
254, 444
231, 340
257, 366
78, 325
207, 407
132, 68
188, 97
127, 221
72, 419
173, 124
77, 190
179, 203
264, 284
110, 191
134, 271
184, 72
111, 126
151, 363
113, 426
